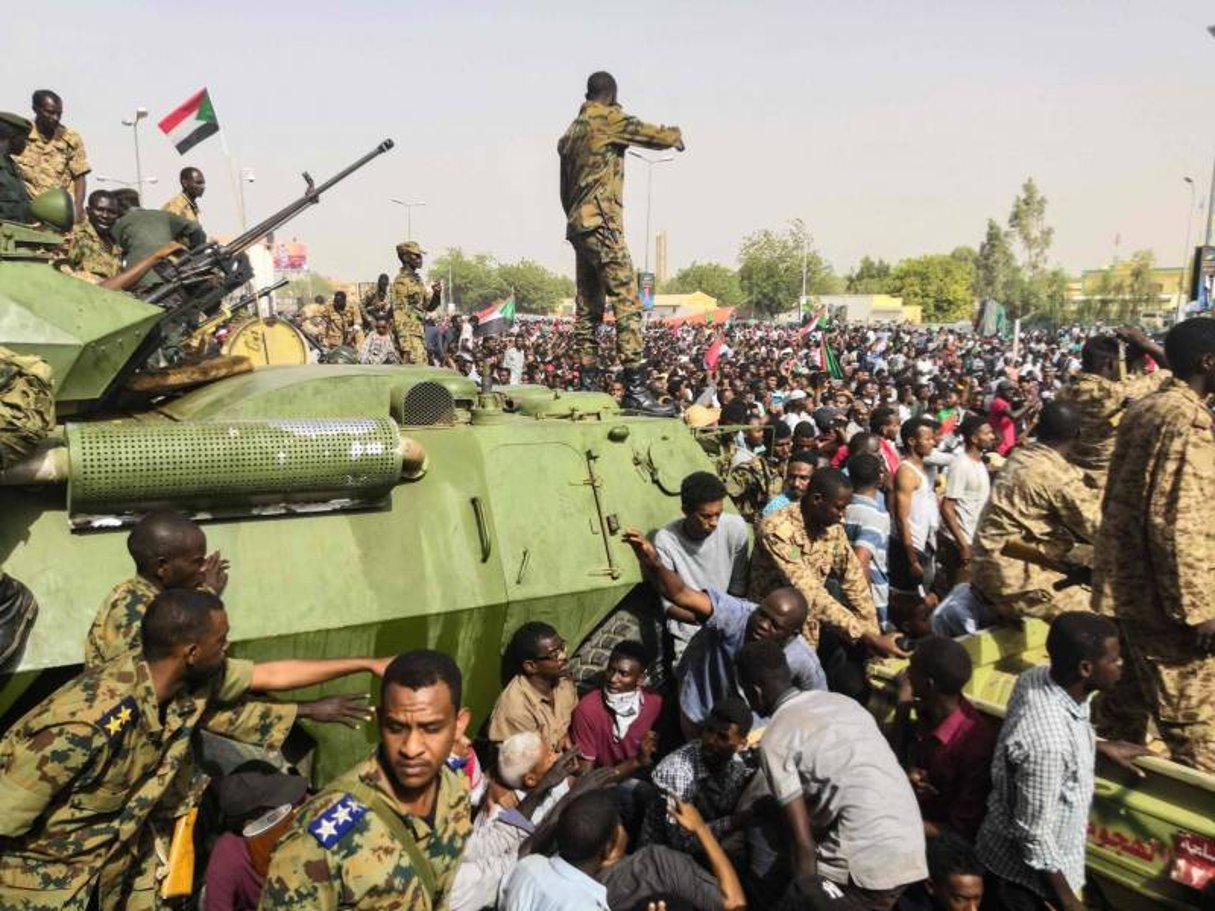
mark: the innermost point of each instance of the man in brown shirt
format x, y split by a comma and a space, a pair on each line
185, 203
54, 155
540, 697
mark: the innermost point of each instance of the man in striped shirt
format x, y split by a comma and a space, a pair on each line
867, 525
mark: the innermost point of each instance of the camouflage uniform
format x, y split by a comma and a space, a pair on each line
89, 257
1041, 500
1101, 404
374, 307
340, 853
81, 773
786, 555
55, 162
27, 404
1155, 564
115, 632
592, 194
14, 198
750, 485
182, 205
410, 300
343, 327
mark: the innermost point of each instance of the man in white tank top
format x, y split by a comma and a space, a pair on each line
914, 511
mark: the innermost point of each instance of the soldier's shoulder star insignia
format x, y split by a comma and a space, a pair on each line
329, 827
120, 717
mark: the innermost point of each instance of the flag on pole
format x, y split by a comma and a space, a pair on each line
816, 320
827, 359
496, 319
191, 122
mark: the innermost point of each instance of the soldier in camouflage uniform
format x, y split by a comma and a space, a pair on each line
804, 545
81, 773
185, 203
1041, 501
91, 253
750, 483
1155, 563
14, 197
1103, 391
411, 301
54, 156
377, 303
388, 833
592, 194
343, 323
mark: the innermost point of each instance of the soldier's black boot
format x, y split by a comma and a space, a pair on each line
637, 395
590, 378
17, 612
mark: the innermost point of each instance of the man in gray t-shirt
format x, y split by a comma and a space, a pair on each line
853, 820
708, 548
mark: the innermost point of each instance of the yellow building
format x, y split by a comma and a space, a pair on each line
1110, 294
665, 305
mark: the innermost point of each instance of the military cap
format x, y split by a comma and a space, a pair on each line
410, 246
16, 121
243, 792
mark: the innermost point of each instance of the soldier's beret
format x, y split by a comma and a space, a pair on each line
15, 120
410, 246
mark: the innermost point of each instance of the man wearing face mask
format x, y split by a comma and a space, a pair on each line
80, 773
706, 673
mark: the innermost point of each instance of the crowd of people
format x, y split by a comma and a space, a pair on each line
876, 493
938, 487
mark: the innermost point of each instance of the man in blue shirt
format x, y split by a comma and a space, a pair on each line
867, 525
797, 481
706, 673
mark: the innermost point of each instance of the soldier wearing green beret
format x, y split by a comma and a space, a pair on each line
14, 198
592, 194
411, 301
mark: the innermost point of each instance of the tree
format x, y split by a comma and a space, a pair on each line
537, 290
473, 280
941, 285
770, 269
869, 277
997, 274
305, 287
713, 279
1028, 223
1142, 289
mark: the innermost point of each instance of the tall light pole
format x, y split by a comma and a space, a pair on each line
104, 178
649, 195
246, 176
409, 207
1206, 242
133, 123
1189, 227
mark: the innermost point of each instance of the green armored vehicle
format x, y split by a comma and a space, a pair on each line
369, 510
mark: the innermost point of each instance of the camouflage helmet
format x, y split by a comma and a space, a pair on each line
410, 246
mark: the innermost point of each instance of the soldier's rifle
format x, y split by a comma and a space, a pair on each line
197, 282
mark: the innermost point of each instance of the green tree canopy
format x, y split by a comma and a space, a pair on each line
1027, 220
770, 269
303, 288
997, 275
477, 281
941, 285
713, 279
870, 277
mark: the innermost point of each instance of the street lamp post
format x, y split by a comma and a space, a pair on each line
649, 195
1189, 227
409, 207
246, 176
104, 178
133, 123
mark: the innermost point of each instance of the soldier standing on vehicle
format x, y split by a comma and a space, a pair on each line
1154, 570
54, 156
411, 301
592, 194
185, 203
91, 252
14, 197
390, 831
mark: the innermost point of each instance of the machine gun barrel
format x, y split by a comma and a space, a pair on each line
311, 196
201, 262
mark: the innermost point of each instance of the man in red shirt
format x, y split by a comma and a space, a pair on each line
947, 751
613, 726
1009, 415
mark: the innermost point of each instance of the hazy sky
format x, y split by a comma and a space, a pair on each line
891, 128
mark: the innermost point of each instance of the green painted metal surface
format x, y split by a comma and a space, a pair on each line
86, 333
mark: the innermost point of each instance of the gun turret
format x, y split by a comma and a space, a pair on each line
196, 283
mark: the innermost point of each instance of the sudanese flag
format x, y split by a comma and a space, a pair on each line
191, 123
